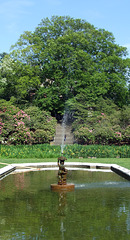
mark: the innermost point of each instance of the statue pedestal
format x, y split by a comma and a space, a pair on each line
66, 187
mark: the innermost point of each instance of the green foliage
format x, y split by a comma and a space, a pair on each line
7, 77
30, 151
19, 127
96, 151
69, 57
41, 124
102, 123
17, 80
13, 129
70, 151
84, 135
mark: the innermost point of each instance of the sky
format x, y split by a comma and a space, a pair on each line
17, 16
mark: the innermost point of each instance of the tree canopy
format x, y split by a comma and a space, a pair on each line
65, 57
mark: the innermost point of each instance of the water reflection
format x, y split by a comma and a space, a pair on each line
99, 208
62, 208
19, 181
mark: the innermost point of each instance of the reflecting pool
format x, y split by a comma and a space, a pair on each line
98, 208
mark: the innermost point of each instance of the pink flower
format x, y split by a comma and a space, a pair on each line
22, 111
102, 114
20, 123
118, 134
28, 133
90, 130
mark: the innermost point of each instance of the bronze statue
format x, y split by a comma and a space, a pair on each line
62, 171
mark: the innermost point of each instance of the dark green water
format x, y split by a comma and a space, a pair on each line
98, 209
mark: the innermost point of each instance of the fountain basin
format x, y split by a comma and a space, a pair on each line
22, 167
98, 207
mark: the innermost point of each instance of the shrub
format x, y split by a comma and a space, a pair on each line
84, 136
42, 124
103, 128
13, 129
19, 127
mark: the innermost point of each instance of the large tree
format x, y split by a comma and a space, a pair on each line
73, 57
17, 80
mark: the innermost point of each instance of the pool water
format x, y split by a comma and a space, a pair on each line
98, 208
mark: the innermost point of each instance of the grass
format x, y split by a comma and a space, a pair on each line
124, 162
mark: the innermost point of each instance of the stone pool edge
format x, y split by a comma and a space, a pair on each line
123, 172
5, 171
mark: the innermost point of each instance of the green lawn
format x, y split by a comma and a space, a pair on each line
124, 162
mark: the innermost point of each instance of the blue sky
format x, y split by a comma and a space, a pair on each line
17, 16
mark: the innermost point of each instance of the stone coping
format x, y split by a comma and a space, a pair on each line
124, 172
6, 171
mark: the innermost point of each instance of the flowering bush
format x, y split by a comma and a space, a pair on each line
85, 135
103, 135
42, 124
13, 129
104, 129
18, 127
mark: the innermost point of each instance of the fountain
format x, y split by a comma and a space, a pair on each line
62, 174
64, 123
